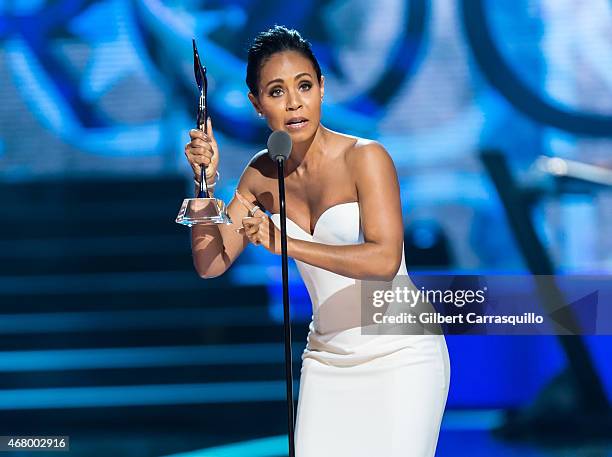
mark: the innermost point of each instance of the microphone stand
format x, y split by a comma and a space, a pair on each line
280, 162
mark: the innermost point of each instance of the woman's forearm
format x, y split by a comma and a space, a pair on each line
368, 261
209, 257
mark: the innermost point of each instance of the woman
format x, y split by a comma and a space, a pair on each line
360, 395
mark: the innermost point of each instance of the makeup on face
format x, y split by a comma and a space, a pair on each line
290, 95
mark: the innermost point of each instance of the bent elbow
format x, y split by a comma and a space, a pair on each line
390, 269
386, 277
208, 273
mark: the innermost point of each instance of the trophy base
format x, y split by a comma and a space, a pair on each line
202, 211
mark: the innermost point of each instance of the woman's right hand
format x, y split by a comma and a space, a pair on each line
203, 150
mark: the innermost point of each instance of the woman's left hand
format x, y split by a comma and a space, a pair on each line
261, 231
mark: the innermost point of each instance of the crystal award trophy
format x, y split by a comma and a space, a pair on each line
204, 209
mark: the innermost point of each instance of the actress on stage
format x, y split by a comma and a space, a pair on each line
360, 395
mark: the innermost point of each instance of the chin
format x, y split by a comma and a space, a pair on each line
303, 135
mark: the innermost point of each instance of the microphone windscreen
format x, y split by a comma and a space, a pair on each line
279, 145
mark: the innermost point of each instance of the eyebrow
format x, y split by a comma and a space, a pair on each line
280, 80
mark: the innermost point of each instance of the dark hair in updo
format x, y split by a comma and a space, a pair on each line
276, 39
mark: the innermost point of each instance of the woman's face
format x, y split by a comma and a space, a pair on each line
290, 95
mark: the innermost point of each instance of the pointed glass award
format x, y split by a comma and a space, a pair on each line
204, 209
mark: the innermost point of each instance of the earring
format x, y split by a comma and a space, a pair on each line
260, 114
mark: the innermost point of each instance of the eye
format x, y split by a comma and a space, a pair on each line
306, 85
277, 91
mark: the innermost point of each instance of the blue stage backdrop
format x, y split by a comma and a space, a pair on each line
106, 86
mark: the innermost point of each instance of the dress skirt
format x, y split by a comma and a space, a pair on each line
390, 406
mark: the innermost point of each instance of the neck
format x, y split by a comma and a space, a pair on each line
303, 154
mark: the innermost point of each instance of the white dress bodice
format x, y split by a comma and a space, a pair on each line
335, 335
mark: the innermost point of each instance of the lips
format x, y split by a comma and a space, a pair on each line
296, 123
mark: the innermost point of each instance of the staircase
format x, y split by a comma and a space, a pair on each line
104, 324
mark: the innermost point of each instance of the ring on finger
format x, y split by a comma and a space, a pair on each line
253, 210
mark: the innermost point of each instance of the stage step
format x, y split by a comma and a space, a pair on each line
105, 323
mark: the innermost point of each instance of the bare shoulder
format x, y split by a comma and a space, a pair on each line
367, 153
256, 174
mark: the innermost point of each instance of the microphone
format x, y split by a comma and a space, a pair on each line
279, 148
279, 145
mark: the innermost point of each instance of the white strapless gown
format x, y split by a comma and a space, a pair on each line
362, 395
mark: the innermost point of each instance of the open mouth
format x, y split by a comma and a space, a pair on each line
296, 123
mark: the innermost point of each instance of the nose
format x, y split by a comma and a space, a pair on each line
294, 101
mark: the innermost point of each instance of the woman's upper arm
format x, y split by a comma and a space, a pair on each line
379, 199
